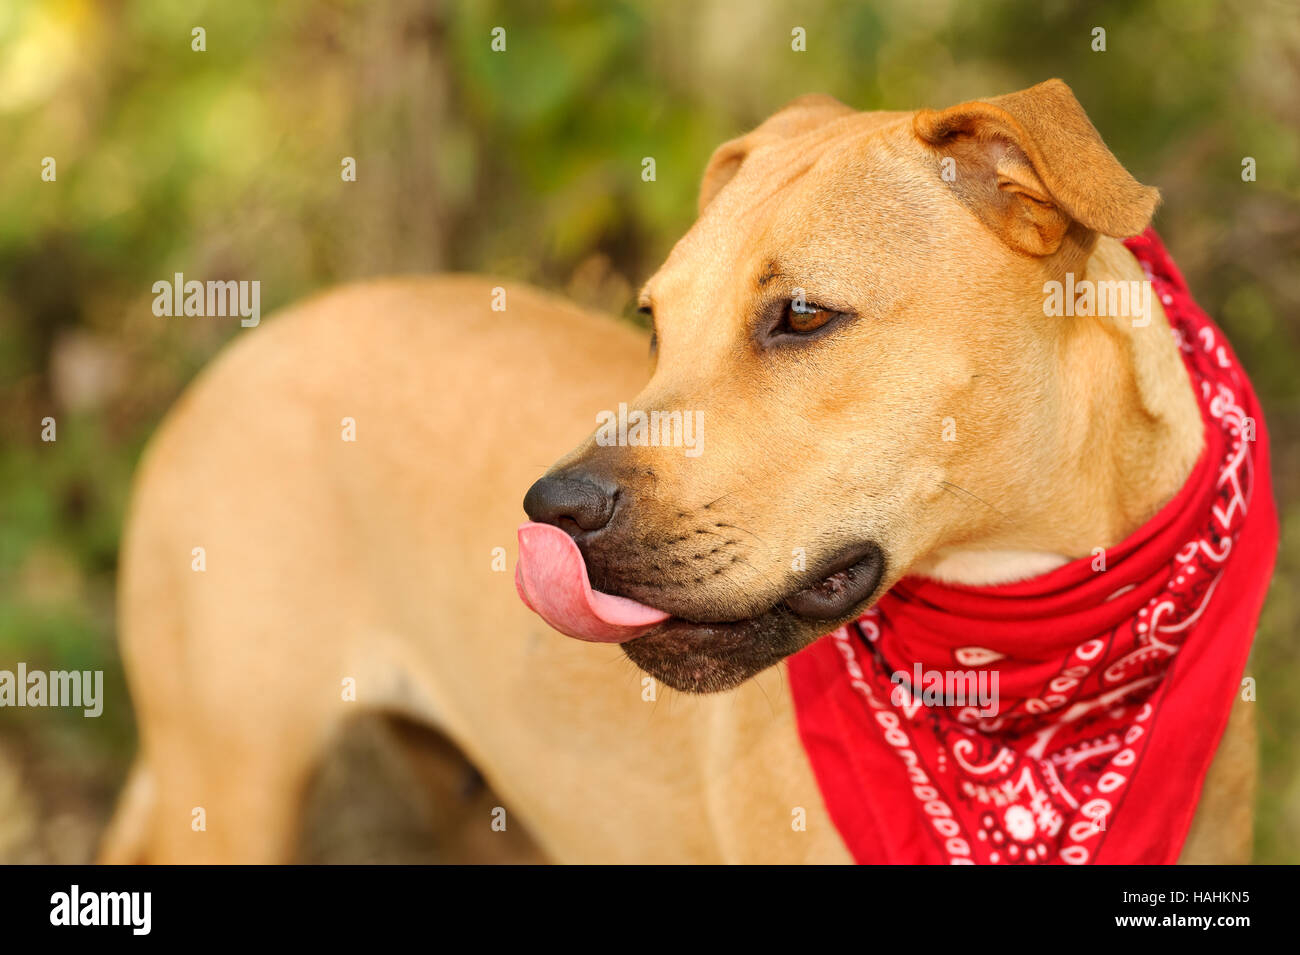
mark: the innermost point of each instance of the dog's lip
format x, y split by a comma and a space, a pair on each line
846, 581
707, 657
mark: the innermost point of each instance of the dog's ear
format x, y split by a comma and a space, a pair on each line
798, 116
1030, 163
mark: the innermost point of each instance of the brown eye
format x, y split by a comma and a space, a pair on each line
796, 322
805, 318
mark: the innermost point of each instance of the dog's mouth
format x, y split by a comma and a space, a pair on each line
552, 581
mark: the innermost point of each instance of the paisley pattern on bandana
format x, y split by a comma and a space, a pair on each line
1114, 674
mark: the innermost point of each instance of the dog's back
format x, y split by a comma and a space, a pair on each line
261, 590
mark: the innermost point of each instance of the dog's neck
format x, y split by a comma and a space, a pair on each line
1129, 435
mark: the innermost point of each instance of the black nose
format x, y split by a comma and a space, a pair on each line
575, 503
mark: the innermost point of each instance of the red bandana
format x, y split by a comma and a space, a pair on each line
1113, 688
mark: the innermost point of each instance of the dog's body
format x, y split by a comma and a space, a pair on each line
328, 560
237, 671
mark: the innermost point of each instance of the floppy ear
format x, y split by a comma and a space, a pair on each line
1031, 163
798, 116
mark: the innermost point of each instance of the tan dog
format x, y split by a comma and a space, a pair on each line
329, 561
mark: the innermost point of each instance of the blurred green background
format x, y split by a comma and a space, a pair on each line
225, 164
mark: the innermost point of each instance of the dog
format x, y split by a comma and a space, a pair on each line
323, 524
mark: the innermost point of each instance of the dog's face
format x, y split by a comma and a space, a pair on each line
855, 322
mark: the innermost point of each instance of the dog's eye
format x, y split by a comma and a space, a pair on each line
797, 322
802, 318
649, 312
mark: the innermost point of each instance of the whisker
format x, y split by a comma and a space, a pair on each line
743, 531
720, 497
757, 679
948, 486
762, 573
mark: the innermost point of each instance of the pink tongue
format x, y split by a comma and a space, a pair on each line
552, 580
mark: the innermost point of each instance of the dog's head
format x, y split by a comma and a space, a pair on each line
845, 345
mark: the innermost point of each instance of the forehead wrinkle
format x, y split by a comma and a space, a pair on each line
776, 189
767, 178
773, 173
727, 228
